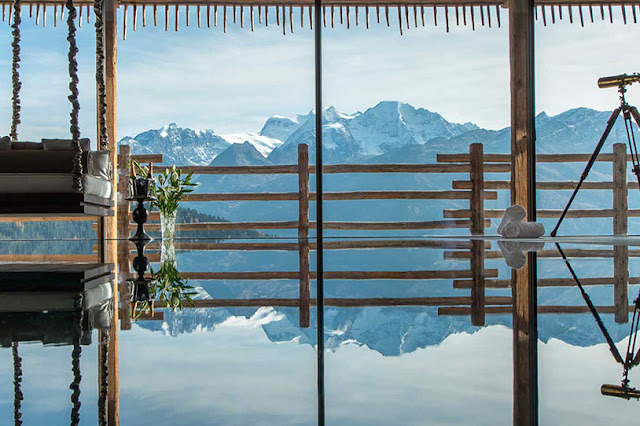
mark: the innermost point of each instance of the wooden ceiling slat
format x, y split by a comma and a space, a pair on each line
337, 3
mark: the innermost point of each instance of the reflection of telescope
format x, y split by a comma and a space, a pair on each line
620, 391
618, 80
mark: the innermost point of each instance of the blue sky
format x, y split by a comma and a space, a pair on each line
202, 78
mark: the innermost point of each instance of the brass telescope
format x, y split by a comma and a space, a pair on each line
618, 80
620, 391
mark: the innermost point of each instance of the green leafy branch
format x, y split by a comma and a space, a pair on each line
171, 187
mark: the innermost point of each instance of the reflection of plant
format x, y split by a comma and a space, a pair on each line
170, 188
168, 289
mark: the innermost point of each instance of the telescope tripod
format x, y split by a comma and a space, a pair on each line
630, 114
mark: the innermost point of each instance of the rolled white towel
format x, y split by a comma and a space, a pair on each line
513, 214
523, 230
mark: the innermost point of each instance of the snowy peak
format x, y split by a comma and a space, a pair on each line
240, 154
262, 143
280, 128
178, 145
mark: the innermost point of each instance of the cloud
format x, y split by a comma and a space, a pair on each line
232, 82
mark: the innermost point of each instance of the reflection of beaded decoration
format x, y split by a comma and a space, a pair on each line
104, 378
140, 290
17, 385
75, 358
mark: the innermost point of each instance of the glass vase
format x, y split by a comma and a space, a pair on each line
168, 226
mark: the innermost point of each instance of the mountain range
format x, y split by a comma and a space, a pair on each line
389, 131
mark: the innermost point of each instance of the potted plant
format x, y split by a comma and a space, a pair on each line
171, 187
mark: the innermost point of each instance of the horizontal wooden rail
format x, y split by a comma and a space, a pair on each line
505, 185
349, 302
579, 253
540, 158
497, 310
158, 315
328, 245
258, 196
216, 226
17, 219
339, 168
54, 258
384, 226
542, 214
544, 282
147, 158
216, 246
338, 275
342, 196
265, 275
236, 170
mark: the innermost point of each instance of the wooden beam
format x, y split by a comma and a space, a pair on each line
338, 3
620, 253
340, 168
544, 282
571, 253
349, 302
541, 158
523, 157
476, 204
505, 310
338, 275
545, 214
553, 186
376, 226
340, 196
111, 58
303, 233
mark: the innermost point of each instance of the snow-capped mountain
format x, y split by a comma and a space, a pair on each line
278, 127
240, 154
263, 144
347, 137
178, 145
387, 132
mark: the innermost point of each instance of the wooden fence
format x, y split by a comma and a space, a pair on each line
619, 212
477, 189
304, 244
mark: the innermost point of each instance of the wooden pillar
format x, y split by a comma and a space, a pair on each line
620, 253
110, 37
124, 288
525, 364
303, 232
477, 228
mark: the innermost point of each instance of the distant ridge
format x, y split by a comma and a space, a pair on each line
387, 132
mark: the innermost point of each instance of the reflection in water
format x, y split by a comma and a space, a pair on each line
253, 363
165, 285
30, 320
632, 358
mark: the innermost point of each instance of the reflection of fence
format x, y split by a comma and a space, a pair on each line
476, 218
619, 212
304, 244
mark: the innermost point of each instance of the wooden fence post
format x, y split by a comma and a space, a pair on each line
620, 253
477, 228
303, 232
124, 159
476, 203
